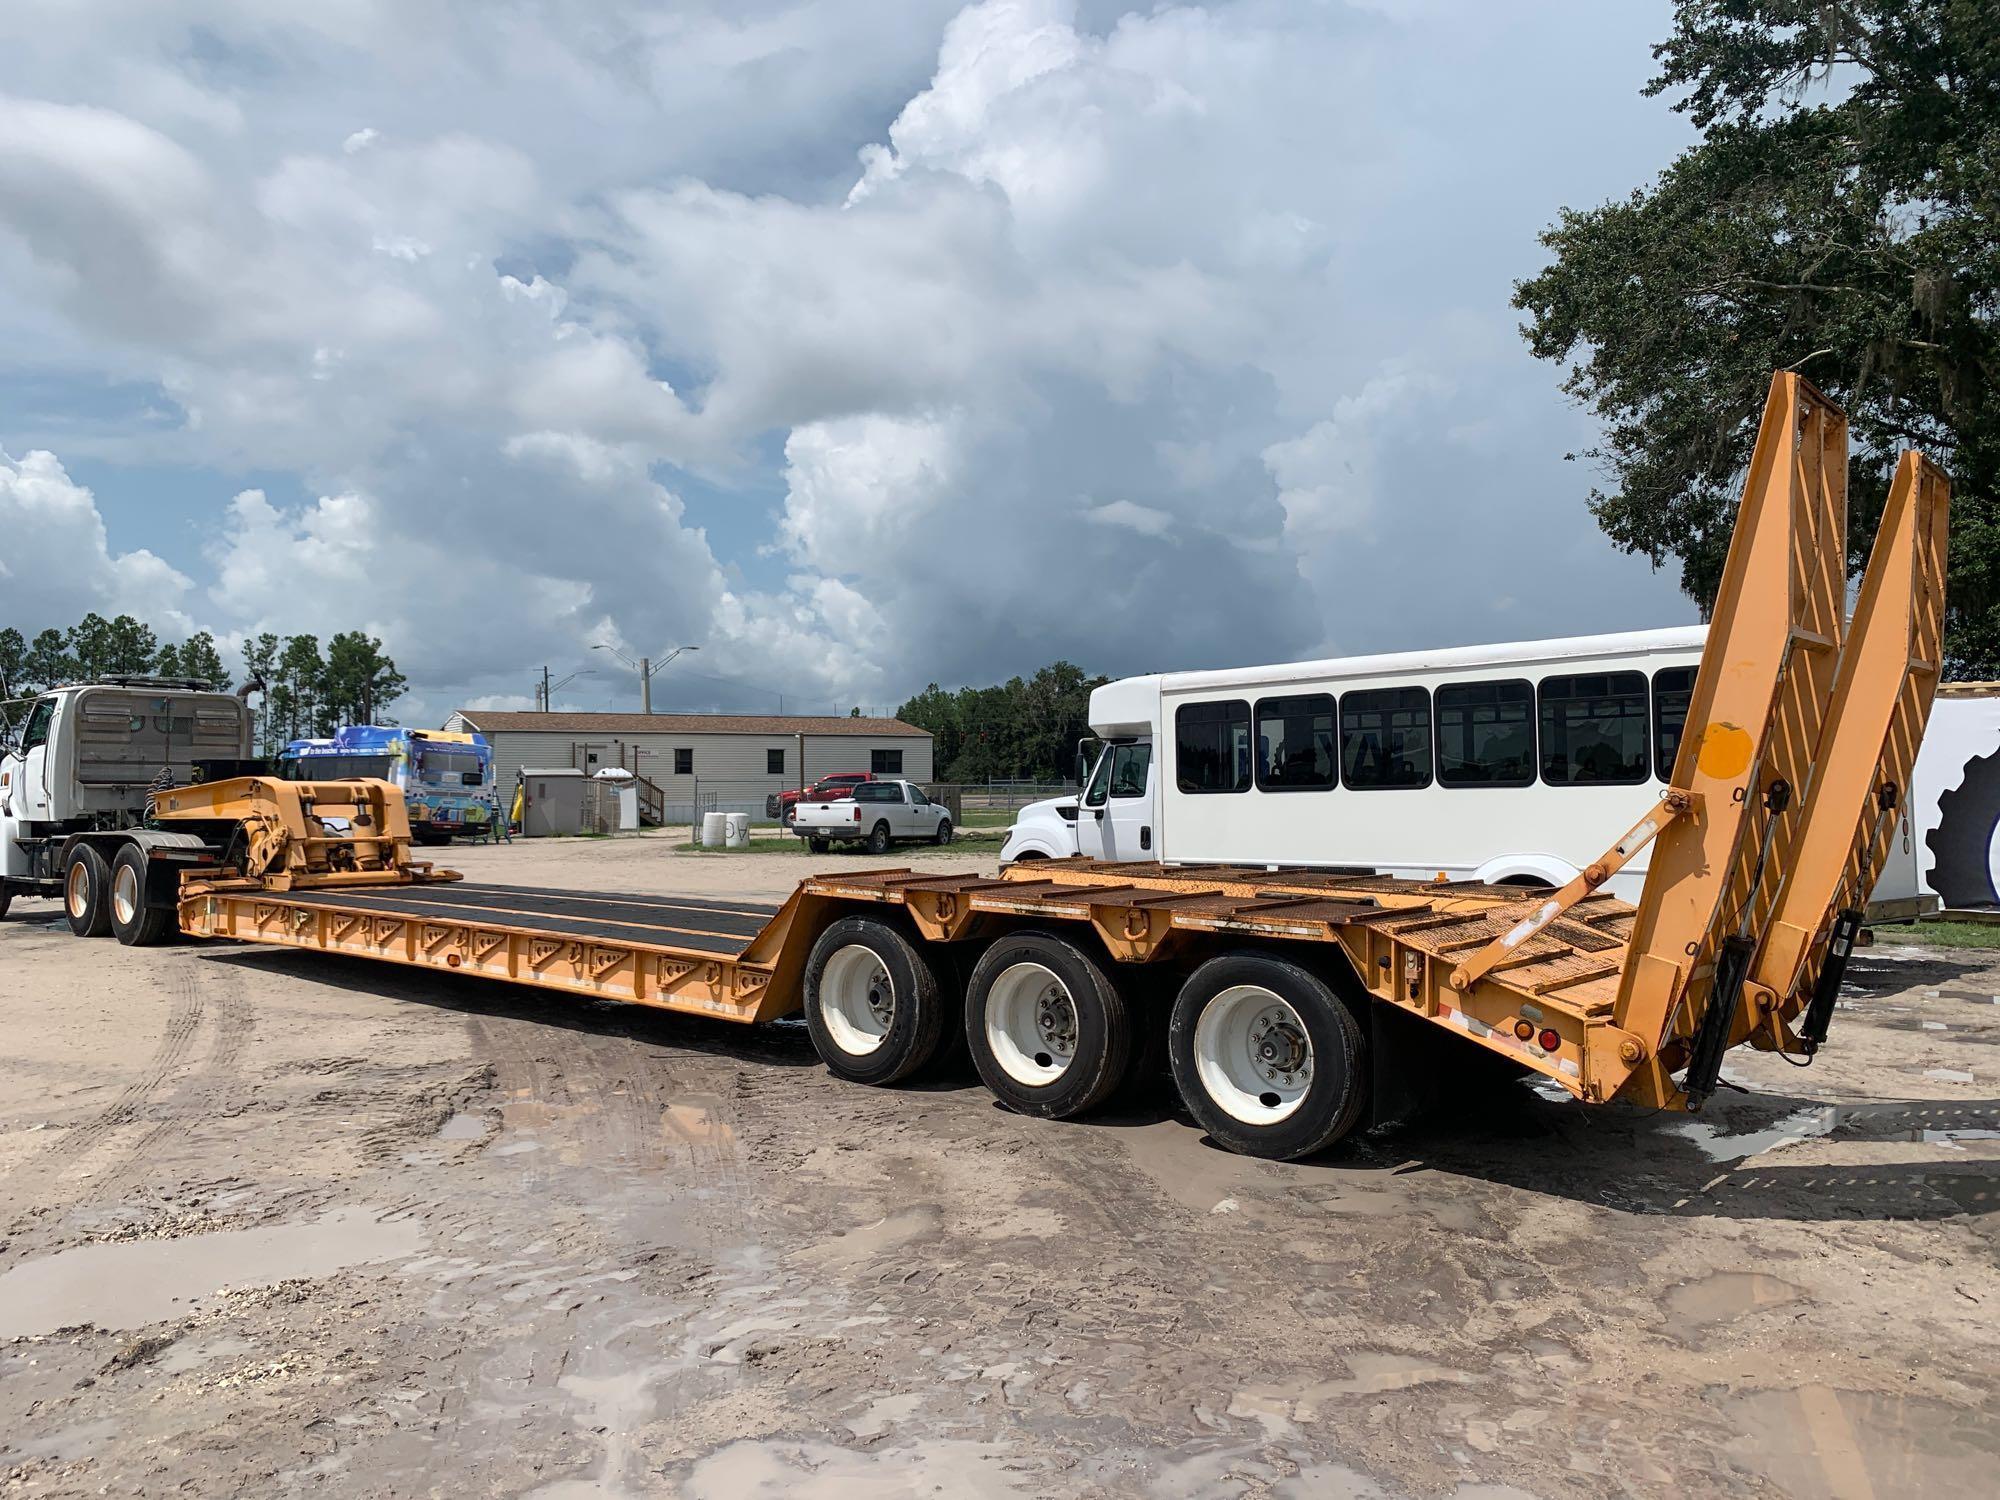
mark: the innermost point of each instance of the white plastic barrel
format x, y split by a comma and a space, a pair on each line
714, 826
736, 830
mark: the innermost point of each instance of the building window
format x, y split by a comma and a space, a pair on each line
1385, 738
1486, 734
1212, 747
1673, 687
684, 761
1594, 729
886, 762
774, 762
1295, 743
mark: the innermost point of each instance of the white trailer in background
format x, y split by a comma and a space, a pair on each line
1498, 763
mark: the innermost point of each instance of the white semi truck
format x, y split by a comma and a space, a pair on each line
75, 770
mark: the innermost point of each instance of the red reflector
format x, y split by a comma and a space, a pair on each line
1549, 1040
1523, 1030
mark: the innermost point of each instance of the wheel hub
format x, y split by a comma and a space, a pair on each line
881, 1001
1055, 1021
1280, 1048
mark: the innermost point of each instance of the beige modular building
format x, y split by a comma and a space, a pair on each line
738, 760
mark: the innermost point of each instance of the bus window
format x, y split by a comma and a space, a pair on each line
449, 768
1486, 734
1594, 729
1129, 764
1295, 743
1212, 747
1673, 687
1385, 738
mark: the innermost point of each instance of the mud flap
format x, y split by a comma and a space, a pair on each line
1417, 1067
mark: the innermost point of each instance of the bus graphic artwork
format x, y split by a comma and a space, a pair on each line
446, 778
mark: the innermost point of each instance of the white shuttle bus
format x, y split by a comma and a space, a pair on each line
1509, 763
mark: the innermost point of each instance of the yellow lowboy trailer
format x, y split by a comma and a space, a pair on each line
1295, 1004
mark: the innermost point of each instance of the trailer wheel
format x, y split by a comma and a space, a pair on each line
133, 922
84, 903
873, 1002
878, 839
1049, 1032
1266, 1057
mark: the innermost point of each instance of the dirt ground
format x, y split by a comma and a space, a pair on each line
274, 1224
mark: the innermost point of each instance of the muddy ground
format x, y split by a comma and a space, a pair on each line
277, 1224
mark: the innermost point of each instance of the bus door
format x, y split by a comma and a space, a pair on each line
1115, 816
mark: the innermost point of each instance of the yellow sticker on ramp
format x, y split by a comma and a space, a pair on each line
1725, 752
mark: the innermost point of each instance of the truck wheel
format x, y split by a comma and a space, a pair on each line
943, 834
133, 922
819, 846
878, 839
83, 893
6, 900
873, 1002
1048, 1030
1266, 1057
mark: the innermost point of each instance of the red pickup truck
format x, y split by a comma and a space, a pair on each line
826, 789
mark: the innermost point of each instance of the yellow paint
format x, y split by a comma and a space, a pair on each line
1725, 752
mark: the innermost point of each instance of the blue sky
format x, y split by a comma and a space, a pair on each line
864, 344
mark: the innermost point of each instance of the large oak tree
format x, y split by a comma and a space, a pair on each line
1839, 217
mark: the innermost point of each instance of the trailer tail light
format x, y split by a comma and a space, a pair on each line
1524, 1030
1549, 1040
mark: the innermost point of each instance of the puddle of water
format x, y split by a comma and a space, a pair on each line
946, 1466
890, 1232
1850, 1445
695, 1125
516, 1148
1722, 1295
1714, 1142
130, 1283
65, 1446
462, 1127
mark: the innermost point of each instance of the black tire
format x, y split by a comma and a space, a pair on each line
943, 834
430, 837
819, 846
878, 839
1336, 1088
899, 1039
1100, 1036
84, 901
6, 900
133, 922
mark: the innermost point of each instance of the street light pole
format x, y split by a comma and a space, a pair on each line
646, 684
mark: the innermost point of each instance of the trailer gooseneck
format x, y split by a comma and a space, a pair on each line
1295, 1004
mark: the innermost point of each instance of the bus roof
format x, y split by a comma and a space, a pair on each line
1127, 705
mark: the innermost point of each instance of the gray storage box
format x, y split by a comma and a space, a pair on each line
552, 801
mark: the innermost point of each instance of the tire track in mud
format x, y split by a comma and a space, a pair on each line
197, 1092
184, 1018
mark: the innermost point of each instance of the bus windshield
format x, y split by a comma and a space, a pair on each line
450, 768
339, 767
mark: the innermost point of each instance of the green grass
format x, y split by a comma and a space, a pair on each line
1943, 934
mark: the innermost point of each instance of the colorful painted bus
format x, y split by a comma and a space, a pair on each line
446, 778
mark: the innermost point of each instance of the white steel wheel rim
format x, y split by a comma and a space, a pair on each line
1031, 1024
1253, 1055
857, 1000
125, 894
76, 890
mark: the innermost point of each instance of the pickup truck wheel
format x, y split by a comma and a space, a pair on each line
84, 903
133, 922
1266, 1057
943, 834
874, 1004
1049, 1032
878, 839
819, 846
